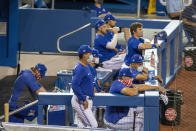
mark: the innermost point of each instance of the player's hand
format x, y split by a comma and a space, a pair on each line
115, 30
116, 50
159, 78
161, 89
158, 45
194, 24
122, 52
85, 105
135, 91
145, 70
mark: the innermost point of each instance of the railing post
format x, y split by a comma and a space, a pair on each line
40, 117
172, 56
164, 65
53, 2
138, 8
6, 112
151, 111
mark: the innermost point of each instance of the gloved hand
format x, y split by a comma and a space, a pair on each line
164, 98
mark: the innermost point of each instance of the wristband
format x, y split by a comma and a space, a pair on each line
154, 46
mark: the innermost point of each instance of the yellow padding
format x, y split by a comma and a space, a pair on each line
152, 7
6, 112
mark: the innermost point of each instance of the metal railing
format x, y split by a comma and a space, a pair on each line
138, 8
149, 100
68, 34
18, 110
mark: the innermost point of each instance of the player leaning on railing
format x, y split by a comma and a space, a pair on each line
24, 91
127, 118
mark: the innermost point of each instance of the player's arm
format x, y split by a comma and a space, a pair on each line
112, 44
42, 89
102, 15
159, 78
186, 21
127, 33
142, 76
143, 87
34, 85
129, 91
147, 45
76, 81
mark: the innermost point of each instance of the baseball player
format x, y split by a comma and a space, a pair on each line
107, 47
100, 10
122, 118
111, 23
136, 44
93, 65
24, 91
82, 85
139, 72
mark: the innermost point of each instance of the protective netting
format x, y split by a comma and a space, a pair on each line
185, 80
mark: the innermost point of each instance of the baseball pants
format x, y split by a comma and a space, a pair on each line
127, 122
85, 118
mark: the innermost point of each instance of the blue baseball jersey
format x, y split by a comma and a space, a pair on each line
133, 48
134, 74
100, 44
24, 89
109, 35
94, 73
100, 11
112, 113
82, 82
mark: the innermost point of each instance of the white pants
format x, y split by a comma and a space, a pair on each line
85, 118
126, 123
115, 62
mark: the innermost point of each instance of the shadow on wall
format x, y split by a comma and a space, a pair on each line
54, 63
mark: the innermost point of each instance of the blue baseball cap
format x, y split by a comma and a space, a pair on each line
137, 58
99, 23
162, 35
109, 17
95, 53
125, 72
41, 68
84, 49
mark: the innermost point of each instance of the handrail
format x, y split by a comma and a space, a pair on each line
68, 34
149, 100
20, 109
53, 2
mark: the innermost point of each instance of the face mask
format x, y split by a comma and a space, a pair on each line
140, 69
90, 59
96, 60
128, 82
